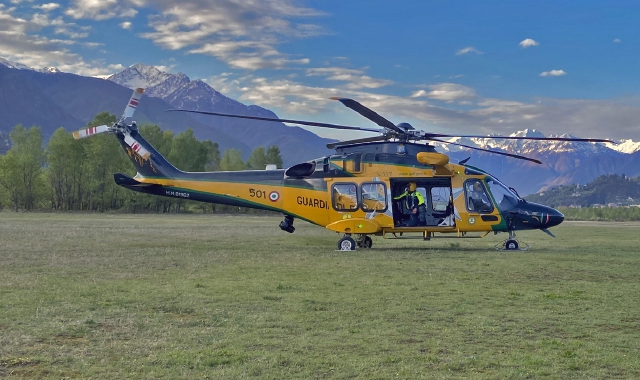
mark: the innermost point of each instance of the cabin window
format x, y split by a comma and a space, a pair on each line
374, 196
344, 196
440, 197
477, 198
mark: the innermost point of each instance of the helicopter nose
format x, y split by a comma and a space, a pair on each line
553, 218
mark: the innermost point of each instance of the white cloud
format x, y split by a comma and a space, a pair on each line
99, 9
468, 50
448, 92
528, 43
126, 25
47, 7
240, 33
553, 73
616, 41
37, 51
249, 55
356, 79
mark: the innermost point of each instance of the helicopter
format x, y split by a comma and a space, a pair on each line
368, 187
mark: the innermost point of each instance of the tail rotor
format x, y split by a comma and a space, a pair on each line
120, 127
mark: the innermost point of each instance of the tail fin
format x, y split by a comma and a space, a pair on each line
151, 166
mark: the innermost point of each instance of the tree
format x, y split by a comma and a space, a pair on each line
187, 153
232, 160
160, 140
21, 167
273, 156
213, 155
258, 159
65, 158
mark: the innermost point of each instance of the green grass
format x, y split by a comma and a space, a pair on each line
226, 297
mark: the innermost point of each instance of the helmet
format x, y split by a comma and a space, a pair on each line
477, 186
412, 186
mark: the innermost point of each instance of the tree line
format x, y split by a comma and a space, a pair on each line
70, 175
611, 214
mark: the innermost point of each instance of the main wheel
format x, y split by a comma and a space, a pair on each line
511, 245
346, 244
366, 242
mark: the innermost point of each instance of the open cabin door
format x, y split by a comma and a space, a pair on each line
437, 210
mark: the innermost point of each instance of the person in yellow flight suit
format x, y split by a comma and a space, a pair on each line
414, 203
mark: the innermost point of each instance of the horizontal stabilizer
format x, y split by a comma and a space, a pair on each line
126, 181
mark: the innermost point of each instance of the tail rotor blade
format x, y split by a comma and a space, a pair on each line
89, 131
135, 146
133, 103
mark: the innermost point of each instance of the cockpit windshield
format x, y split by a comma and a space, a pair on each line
504, 197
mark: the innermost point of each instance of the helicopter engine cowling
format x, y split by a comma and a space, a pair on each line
302, 170
432, 158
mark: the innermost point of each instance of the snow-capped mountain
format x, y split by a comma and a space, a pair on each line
13, 65
563, 162
182, 93
625, 146
51, 70
20, 66
155, 82
538, 148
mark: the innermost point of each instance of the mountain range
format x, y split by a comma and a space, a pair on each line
49, 98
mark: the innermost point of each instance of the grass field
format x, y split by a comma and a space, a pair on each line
227, 297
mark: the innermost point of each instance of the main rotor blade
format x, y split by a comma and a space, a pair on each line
572, 139
369, 114
490, 151
356, 141
302, 122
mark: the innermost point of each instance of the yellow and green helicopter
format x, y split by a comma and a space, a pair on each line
389, 185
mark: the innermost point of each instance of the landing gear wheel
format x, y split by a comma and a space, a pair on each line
511, 245
366, 242
346, 244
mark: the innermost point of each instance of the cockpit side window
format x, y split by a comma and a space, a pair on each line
476, 196
505, 198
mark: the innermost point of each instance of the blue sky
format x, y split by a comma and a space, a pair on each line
445, 66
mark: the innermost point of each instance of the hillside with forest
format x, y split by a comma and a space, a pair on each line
613, 189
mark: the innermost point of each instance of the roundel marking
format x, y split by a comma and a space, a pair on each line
274, 196
472, 220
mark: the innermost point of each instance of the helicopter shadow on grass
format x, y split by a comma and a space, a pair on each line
453, 248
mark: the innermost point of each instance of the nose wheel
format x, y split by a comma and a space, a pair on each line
512, 244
